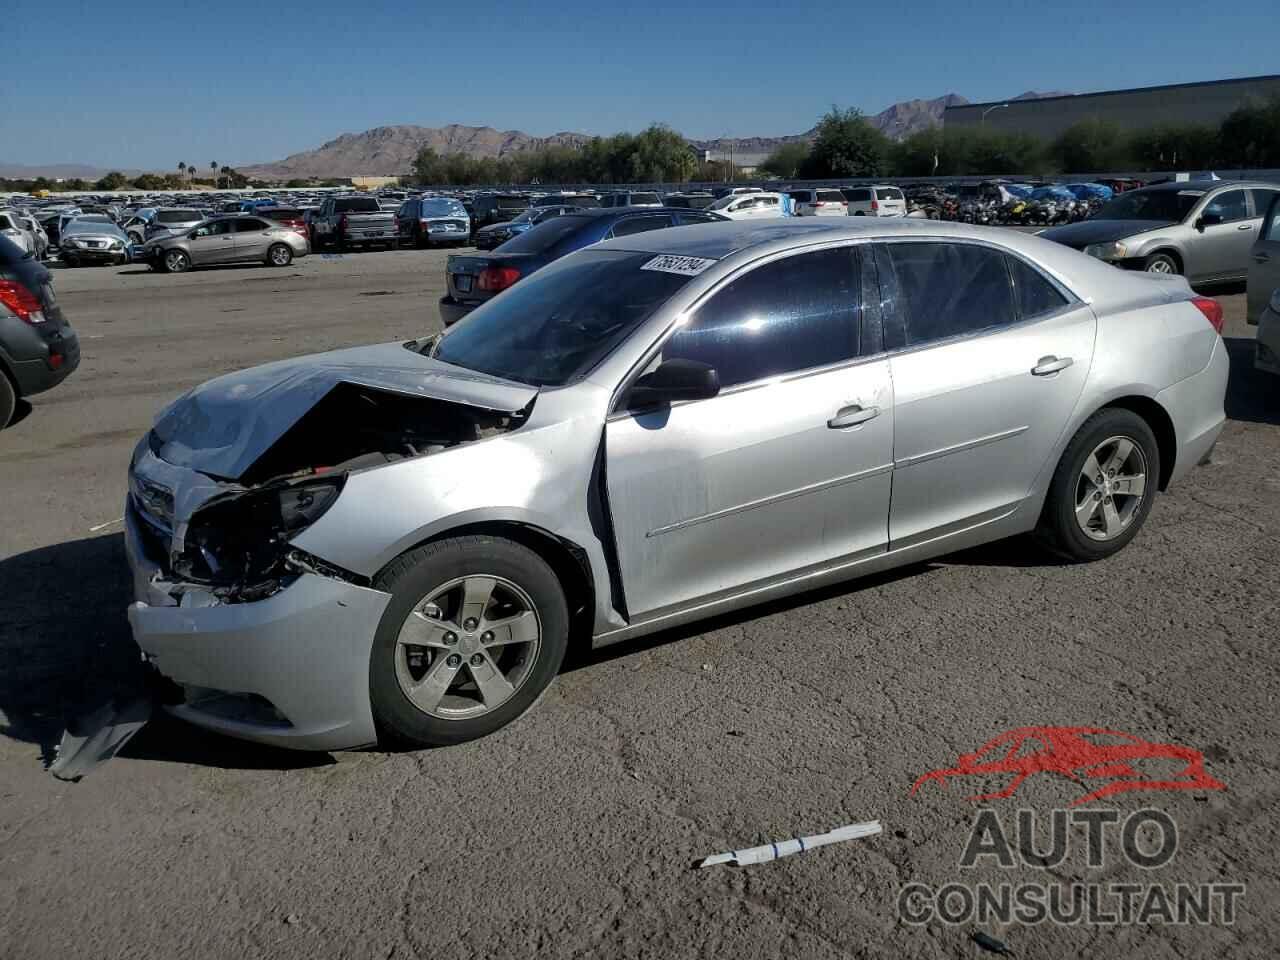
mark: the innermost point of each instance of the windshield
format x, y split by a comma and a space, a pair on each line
1169, 206
554, 327
442, 208
640, 198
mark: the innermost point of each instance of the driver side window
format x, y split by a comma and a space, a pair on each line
1230, 206
789, 315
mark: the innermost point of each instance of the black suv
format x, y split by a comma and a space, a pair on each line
38, 348
496, 208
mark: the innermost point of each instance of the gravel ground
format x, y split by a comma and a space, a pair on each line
571, 832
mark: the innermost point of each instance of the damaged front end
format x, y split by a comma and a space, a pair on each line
260, 638
225, 537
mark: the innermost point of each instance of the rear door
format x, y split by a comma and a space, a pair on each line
253, 237
989, 359
890, 202
786, 470
1264, 258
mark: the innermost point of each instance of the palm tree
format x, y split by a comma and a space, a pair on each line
213, 168
181, 167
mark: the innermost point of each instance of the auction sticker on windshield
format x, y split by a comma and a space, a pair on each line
685, 266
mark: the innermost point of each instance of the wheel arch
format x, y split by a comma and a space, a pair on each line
570, 563
1170, 251
1161, 425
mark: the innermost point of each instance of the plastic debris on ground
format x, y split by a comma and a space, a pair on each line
785, 848
98, 736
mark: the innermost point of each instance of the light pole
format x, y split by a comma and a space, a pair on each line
998, 106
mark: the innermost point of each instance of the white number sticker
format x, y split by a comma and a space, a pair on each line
685, 266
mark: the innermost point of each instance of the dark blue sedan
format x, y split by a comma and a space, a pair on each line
474, 279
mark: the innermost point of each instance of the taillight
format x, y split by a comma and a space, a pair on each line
494, 279
875, 204
21, 301
1212, 311
342, 222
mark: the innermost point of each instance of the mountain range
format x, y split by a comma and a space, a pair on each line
390, 150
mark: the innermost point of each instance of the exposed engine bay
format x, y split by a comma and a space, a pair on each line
236, 542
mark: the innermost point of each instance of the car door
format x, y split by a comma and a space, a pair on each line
1264, 258
787, 469
253, 237
1221, 250
989, 359
212, 242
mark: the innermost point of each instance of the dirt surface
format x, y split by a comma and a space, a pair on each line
571, 832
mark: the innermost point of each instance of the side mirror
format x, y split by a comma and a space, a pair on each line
1208, 219
674, 380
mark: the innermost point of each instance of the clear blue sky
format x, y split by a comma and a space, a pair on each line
147, 84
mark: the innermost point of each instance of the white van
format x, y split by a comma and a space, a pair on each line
823, 202
876, 201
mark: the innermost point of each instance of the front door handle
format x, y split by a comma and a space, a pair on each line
1261, 257
852, 415
1050, 364
1245, 226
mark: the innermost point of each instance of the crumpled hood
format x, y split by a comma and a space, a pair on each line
222, 427
1080, 235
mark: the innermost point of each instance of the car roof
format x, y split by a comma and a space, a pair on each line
1201, 185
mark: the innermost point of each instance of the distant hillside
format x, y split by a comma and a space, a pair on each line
390, 150
67, 171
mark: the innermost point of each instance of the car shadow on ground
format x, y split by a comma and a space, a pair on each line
68, 652
1252, 396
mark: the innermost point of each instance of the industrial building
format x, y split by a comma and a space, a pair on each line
1180, 103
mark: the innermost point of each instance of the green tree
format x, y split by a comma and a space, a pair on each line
115, 180
1250, 135
1090, 146
846, 145
787, 160
1173, 147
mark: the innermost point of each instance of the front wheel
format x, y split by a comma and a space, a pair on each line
1160, 263
475, 631
279, 255
1103, 488
175, 261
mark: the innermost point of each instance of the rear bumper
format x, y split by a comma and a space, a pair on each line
29, 355
1196, 407
304, 651
451, 310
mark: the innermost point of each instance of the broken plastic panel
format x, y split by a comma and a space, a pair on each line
786, 848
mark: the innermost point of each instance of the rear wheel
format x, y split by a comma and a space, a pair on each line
279, 255
8, 400
1160, 263
1103, 488
475, 631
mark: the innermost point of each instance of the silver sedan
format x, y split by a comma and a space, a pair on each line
236, 239
402, 541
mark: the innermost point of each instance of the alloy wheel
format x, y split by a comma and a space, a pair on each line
467, 647
1110, 488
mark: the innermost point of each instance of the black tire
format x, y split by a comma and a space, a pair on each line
273, 253
410, 579
8, 400
1161, 263
1058, 529
175, 261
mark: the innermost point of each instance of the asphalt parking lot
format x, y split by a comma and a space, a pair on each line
571, 832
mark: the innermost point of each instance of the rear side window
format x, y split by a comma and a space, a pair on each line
625, 228
1034, 294
177, 216
950, 289
830, 196
788, 315
357, 205
858, 196
249, 224
801, 196
889, 193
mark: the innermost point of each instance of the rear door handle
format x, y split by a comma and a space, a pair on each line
1050, 364
852, 415
1261, 257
